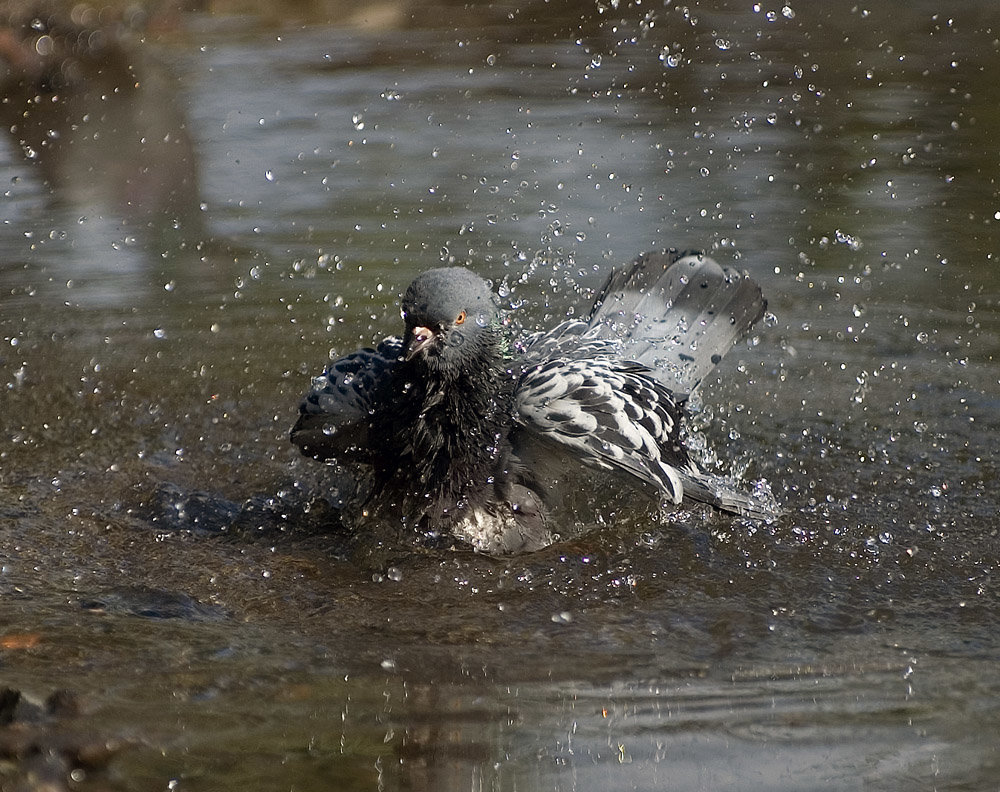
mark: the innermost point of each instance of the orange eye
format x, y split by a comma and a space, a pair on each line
460, 319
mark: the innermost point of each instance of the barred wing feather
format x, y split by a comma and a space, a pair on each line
612, 414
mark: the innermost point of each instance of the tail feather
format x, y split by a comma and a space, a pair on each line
677, 313
716, 491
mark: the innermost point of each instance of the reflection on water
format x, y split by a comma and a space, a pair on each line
97, 118
172, 268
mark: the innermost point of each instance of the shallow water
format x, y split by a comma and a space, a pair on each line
167, 555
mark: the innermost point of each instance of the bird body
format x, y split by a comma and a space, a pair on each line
440, 436
459, 438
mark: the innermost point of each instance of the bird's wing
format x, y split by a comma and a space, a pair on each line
722, 493
334, 416
610, 389
676, 313
606, 413
573, 339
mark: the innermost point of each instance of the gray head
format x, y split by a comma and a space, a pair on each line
449, 314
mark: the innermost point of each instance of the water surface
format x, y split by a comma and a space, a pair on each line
174, 562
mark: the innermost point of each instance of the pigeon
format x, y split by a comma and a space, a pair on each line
462, 433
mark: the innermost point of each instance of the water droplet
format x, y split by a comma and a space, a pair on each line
844, 238
669, 59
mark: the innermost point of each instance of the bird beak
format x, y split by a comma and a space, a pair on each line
422, 340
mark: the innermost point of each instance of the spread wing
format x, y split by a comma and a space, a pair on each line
677, 314
572, 339
609, 390
608, 414
335, 415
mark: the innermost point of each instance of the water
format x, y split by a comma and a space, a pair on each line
167, 555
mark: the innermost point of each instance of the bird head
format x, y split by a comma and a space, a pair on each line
450, 315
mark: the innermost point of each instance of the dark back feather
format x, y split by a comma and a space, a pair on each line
335, 415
